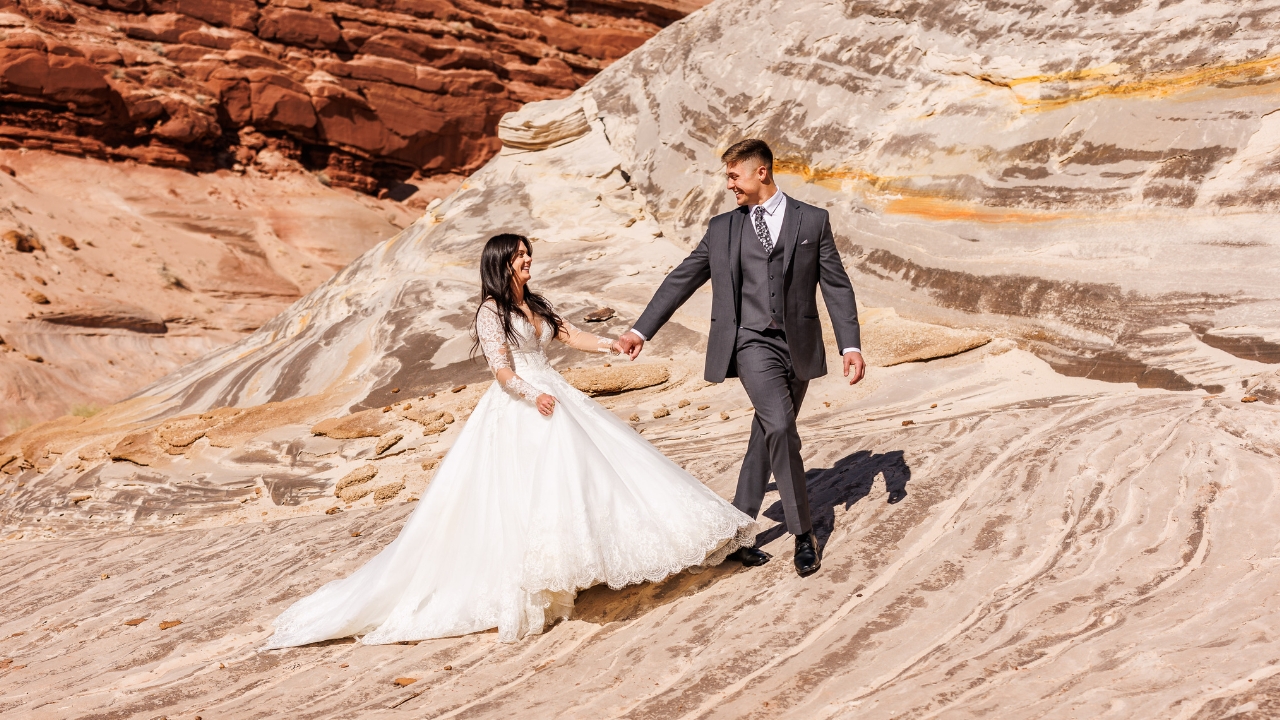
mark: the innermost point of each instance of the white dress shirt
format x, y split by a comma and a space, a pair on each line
775, 209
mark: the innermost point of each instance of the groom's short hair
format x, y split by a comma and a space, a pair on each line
751, 149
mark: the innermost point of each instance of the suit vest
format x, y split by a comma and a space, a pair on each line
762, 282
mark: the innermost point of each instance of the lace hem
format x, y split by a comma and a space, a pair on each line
708, 551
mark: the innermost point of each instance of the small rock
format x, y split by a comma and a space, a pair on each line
661, 413
21, 242
599, 315
387, 442
431, 395
826, 404
386, 492
8, 171
395, 390
448, 667
908, 422
458, 389
135, 622
68, 243
635, 417
683, 403
36, 297
359, 476
933, 405
355, 533
355, 492
39, 279
77, 499
405, 681
724, 416
343, 665
430, 463
333, 510
166, 624
407, 406
1249, 399
703, 407
386, 409
35, 358
105, 576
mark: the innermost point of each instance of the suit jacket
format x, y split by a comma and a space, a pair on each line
810, 259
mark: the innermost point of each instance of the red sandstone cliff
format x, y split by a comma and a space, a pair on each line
366, 91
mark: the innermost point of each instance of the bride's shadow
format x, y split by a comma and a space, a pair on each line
846, 482
601, 605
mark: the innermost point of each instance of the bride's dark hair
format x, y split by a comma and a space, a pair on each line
495, 284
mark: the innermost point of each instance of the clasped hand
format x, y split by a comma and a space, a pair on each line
629, 344
546, 404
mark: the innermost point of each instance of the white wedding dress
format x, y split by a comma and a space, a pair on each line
524, 512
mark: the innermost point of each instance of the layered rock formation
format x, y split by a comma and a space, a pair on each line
366, 92
1058, 215
113, 275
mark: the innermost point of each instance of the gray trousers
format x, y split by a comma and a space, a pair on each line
764, 366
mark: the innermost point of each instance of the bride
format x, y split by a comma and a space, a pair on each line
545, 493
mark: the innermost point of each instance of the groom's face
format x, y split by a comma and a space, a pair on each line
745, 179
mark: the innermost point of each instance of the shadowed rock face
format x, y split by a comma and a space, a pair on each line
368, 92
1058, 218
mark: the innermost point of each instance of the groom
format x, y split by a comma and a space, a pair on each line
765, 260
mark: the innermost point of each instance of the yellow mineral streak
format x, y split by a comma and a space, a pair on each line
889, 193
1111, 81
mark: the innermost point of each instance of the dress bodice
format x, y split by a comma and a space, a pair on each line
531, 350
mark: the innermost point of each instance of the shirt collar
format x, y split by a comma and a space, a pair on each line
772, 204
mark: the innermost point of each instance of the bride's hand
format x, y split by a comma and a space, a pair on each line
546, 404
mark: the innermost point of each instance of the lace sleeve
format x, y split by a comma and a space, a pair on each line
494, 346
585, 341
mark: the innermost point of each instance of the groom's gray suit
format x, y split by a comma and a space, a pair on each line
765, 330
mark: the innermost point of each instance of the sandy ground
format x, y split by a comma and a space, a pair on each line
1066, 548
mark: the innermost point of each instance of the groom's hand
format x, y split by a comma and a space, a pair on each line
629, 344
853, 360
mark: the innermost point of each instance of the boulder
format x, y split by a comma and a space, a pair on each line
616, 379
545, 124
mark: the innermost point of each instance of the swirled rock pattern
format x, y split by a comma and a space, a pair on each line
1046, 500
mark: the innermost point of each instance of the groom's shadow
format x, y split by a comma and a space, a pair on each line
844, 483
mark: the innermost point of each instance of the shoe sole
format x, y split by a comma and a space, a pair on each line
810, 571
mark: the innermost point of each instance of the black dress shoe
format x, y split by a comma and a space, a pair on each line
807, 562
749, 556
896, 496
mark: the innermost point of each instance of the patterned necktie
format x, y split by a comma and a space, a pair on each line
762, 230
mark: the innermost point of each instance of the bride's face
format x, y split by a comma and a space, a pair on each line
521, 265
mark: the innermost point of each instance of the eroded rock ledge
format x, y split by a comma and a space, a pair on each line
367, 92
